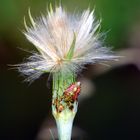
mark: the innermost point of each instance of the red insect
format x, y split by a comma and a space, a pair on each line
73, 91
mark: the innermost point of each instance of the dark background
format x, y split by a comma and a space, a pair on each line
111, 113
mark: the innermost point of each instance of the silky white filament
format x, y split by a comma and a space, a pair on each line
54, 34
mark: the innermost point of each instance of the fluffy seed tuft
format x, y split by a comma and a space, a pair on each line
65, 43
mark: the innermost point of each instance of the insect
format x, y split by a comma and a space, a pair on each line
72, 92
69, 96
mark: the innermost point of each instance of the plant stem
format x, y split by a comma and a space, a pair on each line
64, 125
64, 107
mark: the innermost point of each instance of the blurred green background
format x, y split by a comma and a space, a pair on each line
114, 110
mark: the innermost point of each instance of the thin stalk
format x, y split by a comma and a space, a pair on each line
64, 105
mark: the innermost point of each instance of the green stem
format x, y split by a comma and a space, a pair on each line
61, 110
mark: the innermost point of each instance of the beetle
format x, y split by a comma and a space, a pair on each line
72, 92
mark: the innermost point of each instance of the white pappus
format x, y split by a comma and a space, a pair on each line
65, 43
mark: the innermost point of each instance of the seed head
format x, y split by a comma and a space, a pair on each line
65, 43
